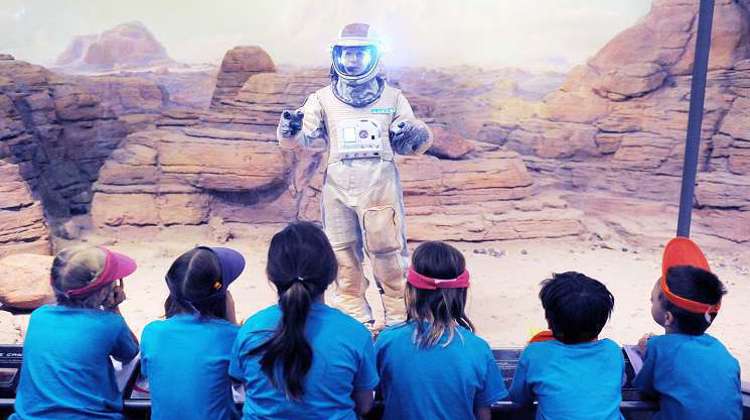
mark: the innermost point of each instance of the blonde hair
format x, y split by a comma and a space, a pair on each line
75, 267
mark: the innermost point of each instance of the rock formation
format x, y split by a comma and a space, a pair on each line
125, 94
24, 281
618, 123
196, 166
129, 45
53, 138
238, 65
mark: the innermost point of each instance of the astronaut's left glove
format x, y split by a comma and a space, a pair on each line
411, 138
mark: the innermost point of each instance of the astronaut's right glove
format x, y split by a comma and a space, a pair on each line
290, 122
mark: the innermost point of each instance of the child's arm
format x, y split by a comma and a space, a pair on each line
366, 378
126, 346
231, 313
484, 413
493, 387
363, 401
520, 390
644, 380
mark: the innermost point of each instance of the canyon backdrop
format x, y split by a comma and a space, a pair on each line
559, 137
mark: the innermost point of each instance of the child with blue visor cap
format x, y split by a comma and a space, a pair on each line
187, 354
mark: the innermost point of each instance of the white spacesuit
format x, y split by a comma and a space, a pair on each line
362, 122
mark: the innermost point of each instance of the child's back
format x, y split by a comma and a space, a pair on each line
186, 360
694, 376
66, 370
186, 357
439, 382
342, 362
573, 375
433, 366
301, 359
571, 381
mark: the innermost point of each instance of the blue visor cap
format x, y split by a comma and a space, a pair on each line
232, 264
356, 60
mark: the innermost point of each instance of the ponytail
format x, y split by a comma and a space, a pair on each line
288, 343
301, 264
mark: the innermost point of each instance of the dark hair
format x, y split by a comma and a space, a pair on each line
576, 306
694, 284
191, 280
301, 264
436, 312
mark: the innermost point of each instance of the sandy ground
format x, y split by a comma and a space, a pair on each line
503, 296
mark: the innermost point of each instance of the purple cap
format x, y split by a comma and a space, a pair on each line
232, 264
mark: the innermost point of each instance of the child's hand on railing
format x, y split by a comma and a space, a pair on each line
643, 344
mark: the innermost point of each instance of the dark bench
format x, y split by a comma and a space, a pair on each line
633, 406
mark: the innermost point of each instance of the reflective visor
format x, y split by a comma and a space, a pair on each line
354, 61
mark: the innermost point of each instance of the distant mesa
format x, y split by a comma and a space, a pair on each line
126, 46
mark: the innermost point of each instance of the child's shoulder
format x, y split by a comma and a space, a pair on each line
547, 347
395, 331
338, 319
472, 339
670, 341
95, 316
609, 344
265, 318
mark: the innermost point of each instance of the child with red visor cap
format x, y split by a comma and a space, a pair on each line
691, 372
433, 366
66, 371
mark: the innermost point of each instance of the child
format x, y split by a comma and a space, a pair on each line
572, 374
301, 359
66, 371
186, 356
433, 366
691, 372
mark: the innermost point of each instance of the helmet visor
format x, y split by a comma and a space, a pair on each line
354, 61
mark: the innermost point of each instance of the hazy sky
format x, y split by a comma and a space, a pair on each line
529, 33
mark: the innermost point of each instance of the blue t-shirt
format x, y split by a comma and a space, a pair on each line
694, 376
571, 381
343, 362
439, 382
186, 361
66, 371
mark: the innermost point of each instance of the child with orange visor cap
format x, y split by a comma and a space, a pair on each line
691, 372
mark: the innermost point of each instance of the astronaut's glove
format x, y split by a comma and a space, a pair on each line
410, 138
290, 122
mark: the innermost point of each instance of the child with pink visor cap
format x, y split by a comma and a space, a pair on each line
433, 366
66, 371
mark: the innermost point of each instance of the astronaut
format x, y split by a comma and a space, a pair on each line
361, 121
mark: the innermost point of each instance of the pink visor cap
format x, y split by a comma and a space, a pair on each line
428, 283
116, 266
